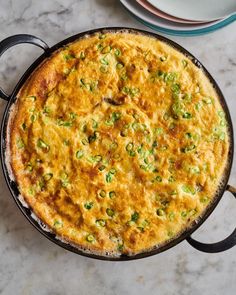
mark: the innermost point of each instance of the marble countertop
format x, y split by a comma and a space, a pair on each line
29, 263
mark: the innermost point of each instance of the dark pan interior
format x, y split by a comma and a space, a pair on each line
28, 212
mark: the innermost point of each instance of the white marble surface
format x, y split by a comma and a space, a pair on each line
29, 263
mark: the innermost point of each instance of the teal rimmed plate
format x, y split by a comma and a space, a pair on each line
167, 27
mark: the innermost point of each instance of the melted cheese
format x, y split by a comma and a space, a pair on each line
118, 143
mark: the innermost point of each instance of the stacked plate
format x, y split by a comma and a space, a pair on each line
183, 17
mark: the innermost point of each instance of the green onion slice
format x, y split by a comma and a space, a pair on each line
90, 238
79, 154
88, 205
135, 216
110, 212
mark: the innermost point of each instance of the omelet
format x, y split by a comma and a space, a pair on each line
118, 143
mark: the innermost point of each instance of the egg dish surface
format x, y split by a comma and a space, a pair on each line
118, 143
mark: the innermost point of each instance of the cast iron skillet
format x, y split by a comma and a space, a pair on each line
227, 243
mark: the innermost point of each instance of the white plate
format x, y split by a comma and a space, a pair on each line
197, 10
143, 14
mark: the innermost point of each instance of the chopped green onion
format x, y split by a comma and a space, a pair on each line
31, 191
187, 115
158, 130
113, 171
171, 216
73, 116
160, 212
185, 63
109, 122
64, 182
171, 178
32, 98
41, 144
33, 118
143, 225
222, 123
163, 58
208, 100
204, 199
158, 178
187, 97
93, 137
98, 158
79, 154
124, 132
48, 176
221, 114
103, 69
46, 110
108, 177
104, 62
110, 212
189, 190
102, 194
102, 36
129, 147
113, 118
120, 247
136, 126
29, 167
23, 126
135, 216
114, 146
84, 127
101, 222
131, 91
60, 122
188, 148
177, 108
198, 106
88, 205
184, 214
166, 116
119, 65
68, 56
112, 194
100, 46
102, 167
90, 238
189, 135
117, 52
58, 224
175, 88
20, 144
95, 124
222, 136
82, 55
194, 170
170, 77
116, 116
84, 141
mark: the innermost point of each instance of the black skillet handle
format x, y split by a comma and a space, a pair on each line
19, 39
221, 246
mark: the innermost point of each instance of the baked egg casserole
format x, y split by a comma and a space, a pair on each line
118, 143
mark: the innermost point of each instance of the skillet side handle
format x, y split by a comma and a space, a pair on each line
15, 40
221, 246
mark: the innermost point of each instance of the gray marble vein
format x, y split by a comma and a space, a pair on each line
29, 263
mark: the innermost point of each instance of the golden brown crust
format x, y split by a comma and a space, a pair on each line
118, 142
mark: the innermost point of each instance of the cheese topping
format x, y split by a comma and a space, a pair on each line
118, 143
